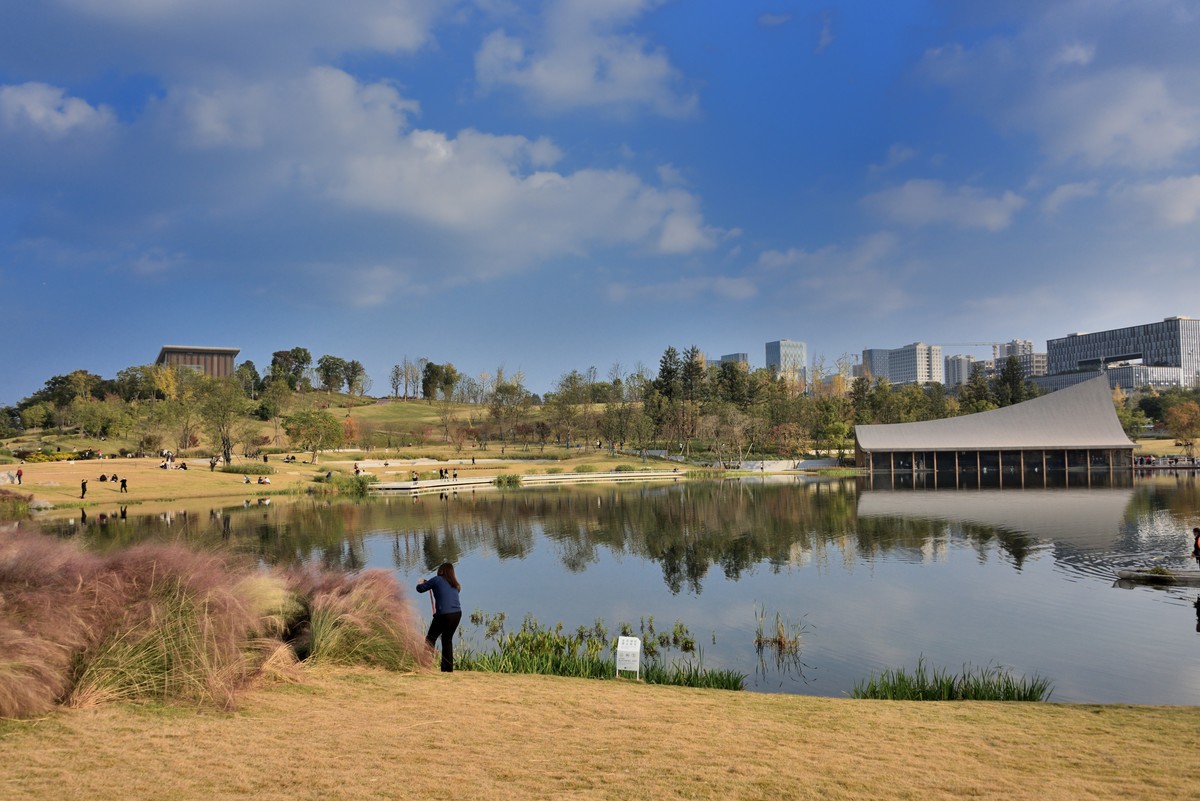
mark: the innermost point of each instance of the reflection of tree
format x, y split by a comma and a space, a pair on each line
686, 528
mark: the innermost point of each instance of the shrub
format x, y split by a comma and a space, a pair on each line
585, 468
508, 480
625, 468
249, 469
353, 486
13, 505
553, 471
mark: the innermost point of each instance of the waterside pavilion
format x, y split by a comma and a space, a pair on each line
1061, 439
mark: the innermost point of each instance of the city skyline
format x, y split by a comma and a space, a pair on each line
551, 186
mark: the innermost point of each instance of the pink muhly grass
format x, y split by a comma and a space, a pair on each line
360, 619
50, 597
181, 630
161, 622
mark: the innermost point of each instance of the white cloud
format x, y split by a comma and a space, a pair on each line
1102, 84
328, 139
1173, 201
898, 154
1076, 54
1066, 193
587, 58
686, 289
768, 20
825, 38
835, 275
186, 39
46, 110
924, 202
1127, 117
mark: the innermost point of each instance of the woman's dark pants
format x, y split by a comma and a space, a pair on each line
444, 626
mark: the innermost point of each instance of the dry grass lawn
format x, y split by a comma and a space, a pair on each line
370, 735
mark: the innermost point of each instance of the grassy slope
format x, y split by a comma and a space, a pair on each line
371, 735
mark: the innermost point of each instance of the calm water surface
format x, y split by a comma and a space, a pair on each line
876, 579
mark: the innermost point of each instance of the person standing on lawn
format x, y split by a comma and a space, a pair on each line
447, 612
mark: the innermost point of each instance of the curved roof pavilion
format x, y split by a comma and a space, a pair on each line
1081, 417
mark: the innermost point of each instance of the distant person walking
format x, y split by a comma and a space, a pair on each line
124, 488
20, 475
83, 489
447, 612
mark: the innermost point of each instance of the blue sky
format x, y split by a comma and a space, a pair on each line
549, 186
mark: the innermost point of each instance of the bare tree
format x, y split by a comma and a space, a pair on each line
397, 380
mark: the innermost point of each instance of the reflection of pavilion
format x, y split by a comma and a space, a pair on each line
1082, 518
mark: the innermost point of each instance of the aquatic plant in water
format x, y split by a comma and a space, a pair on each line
588, 652
991, 683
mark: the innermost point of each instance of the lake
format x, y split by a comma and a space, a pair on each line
871, 578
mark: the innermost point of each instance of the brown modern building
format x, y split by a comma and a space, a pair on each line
213, 362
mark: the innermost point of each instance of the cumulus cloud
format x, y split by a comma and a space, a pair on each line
925, 202
1066, 193
586, 57
45, 110
342, 153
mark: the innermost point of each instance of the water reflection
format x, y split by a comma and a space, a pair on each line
691, 528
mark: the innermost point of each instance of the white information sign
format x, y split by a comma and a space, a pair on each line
629, 655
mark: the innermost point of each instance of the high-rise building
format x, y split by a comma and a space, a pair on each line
789, 359
742, 359
1175, 342
958, 370
875, 363
917, 363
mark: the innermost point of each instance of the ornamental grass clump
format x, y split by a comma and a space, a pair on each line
164, 623
359, 619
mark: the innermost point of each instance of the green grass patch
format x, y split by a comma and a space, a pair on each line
991, 683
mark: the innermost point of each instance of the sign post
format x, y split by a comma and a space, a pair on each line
629, 655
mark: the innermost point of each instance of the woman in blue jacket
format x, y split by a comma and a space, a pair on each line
447, 612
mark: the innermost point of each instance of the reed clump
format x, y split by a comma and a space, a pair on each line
991, 683
165, 623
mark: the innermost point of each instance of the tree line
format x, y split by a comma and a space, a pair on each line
718, 412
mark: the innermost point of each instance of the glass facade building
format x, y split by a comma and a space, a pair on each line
1175, 342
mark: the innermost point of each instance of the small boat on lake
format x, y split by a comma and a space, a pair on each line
1162, 576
